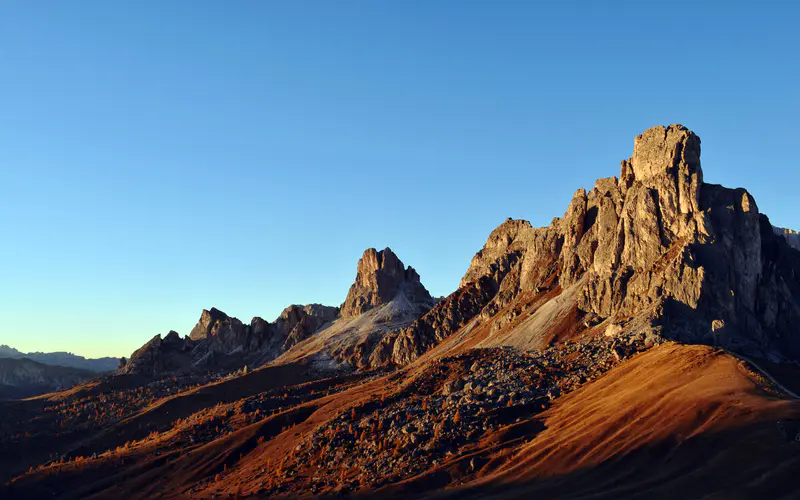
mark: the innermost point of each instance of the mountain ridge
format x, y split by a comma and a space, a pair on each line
650, 250
62, 358
385, 290
605, 355
23, 377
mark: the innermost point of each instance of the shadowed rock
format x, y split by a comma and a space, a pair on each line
380, 278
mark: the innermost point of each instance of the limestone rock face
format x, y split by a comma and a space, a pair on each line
170, 354
449, 316
496, 247
385, 298
296, 323
222, 341
656, 250
380, 278
209, 324
218, 327
791, 236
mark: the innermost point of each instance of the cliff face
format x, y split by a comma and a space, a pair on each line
791, 236
656, 250
220, 341
158, 356
380, 278
297, 323
224, 334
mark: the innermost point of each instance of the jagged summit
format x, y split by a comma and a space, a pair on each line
222, 341
660, 150
655, 252
297, 322
208, 319
389, 292
380, 278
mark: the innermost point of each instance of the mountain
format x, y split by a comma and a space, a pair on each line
21, 378
382, 278
791, 236
9, 352
643, 345
385, 297
657, 252
222, 342
98, 365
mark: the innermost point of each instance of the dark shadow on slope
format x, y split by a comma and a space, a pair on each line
756, 461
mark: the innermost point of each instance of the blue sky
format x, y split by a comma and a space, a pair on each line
158, 158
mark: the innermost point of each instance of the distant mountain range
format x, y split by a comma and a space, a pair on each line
22, 378
97, 365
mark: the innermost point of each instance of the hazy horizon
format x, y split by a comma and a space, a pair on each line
160, 159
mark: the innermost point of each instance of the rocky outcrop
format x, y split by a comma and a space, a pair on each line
214, 323
791, 236
219, 341
656, 249
448, 316
297, 323
380, 278
385, 298
159, 356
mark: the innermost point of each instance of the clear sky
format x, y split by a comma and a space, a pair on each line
158, 158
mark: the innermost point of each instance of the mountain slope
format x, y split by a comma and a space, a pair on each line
68, 359
385, 298
672, 422
699, 414
23, 377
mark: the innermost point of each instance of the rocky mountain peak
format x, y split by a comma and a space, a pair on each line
298, 322
497, 245
656, 252
380, 277
661, 149
208, 318
173, 337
